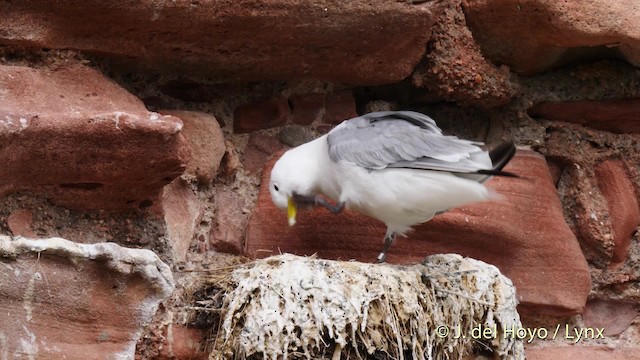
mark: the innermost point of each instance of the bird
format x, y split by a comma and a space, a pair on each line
395, 166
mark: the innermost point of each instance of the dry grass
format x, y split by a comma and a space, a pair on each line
296, 307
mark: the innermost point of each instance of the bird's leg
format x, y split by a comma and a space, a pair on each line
306, 201
336, 209
388, 240
303, 201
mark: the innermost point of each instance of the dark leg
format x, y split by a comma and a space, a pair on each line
307, 201
336, 209
388, 240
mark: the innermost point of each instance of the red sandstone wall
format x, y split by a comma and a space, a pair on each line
155, 126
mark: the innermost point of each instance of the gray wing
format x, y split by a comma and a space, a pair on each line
403, 139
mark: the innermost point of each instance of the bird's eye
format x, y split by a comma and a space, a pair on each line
275, 187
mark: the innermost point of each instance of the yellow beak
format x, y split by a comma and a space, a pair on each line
291, 211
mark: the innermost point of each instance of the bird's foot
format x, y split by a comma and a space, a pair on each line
307, 201
388, 240
336, 209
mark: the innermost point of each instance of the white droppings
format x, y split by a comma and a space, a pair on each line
27, 345
170, 338
13, 125
27, 298
125, 260
133, 121
117, 118
4, 347
50, 349
176, 125
142, 262
285, 304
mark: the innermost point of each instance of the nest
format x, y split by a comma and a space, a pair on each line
296, 307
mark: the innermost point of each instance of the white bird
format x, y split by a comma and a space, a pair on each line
394, 166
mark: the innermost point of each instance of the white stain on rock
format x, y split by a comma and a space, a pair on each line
12, 124
28, 346
27, 299
23, 344
4, 347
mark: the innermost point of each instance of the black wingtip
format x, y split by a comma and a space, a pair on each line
498, 173
500, 155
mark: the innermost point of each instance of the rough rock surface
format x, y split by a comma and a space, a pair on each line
230, 161
76, 301
202, 133
259, 148
581, 116
85, 141
622, 203
598, 184
533, 35
542, 257
183, 343
351, 42
182, 213
339, 106
134, 228
261, 115
582, 352
454, 69
619, 116
229, 221
20, 222
295, 135
326, 110
614, 316
306, 108
166, 338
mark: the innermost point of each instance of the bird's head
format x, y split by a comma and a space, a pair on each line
292, 183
